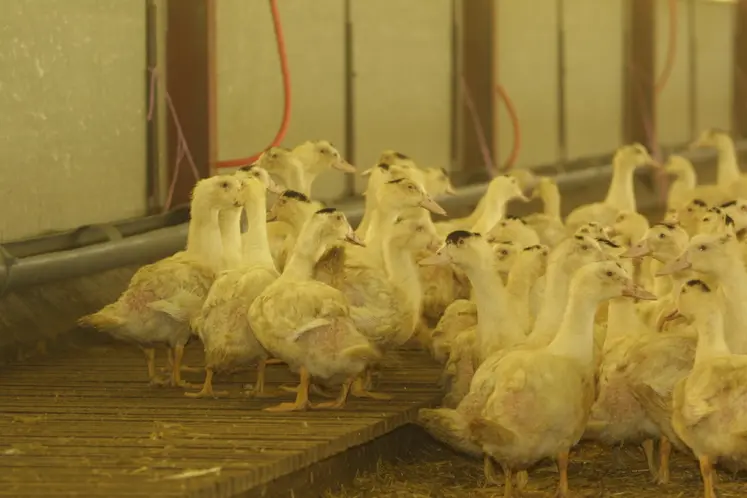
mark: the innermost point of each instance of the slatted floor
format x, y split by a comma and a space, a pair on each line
87, 424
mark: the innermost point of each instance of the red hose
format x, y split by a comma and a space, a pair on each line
283, 56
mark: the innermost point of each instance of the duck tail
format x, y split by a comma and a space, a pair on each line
490, 432
449, 427
105, 319
364, 352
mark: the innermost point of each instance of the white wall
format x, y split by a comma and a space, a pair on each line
72, 118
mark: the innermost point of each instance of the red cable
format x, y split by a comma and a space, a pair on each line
277, 24
515, 126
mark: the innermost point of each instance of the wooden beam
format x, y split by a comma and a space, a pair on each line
639, 72
739, 105
190, 72
478, 56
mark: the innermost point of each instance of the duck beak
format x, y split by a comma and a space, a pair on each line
633, 290
344, 166
435, 245
675, 266
639, 250
450, 190
666, 318
432, 206
438, 259
352, 238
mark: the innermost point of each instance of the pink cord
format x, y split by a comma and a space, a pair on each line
182, 148
480, 132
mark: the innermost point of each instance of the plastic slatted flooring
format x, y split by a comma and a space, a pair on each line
87, 424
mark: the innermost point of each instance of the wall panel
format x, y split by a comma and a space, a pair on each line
673, 102
594, 65
250, 90
527, 69
403, 79
72, 114
714, 29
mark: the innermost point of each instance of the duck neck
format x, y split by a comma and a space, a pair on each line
727, 171
256, 245
297, 221
496, 325
404, 274
294, 179
306, 253
734, 291
575, 337
381, 219
554, 302
475, 215
204, 237
519, 287
711, 340
229, 221
494, 211
551, 202
686, 178
621, 194
622, 318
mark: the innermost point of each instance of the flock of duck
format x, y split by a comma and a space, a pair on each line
545, 327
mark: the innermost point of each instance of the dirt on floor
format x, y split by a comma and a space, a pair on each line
595, 471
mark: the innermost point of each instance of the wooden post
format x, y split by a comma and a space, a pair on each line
478, 67
190, 68
640, 73
739, 106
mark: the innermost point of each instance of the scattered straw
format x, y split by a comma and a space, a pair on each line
595, 471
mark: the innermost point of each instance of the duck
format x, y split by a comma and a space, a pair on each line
715, 220
728, 175
280, 162
621, 193
718, 256
319, 156
514, 229
306, 323
682, 189
548, 224
689, 216
708, 405
293, 209
554, 383
437, 182
155, 309
491, 208
222, 323
384, 171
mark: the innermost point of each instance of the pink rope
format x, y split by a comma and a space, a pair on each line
481, 140
182, 148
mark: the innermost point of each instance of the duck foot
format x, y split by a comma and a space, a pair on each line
314, 389
665, 449
359, 391
207, 388
302, 396
338, 403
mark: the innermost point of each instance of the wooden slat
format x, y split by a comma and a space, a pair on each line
89, 424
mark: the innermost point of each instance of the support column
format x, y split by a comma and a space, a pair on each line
190, 62
739, 107
639, 72
478, 54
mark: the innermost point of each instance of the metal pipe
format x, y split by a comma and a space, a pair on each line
150, 246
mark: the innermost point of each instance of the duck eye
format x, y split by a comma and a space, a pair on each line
609, 273
224, 185
420, 229
661, 236
690, 210
584, 247
338, 217
702, 247
504, 252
